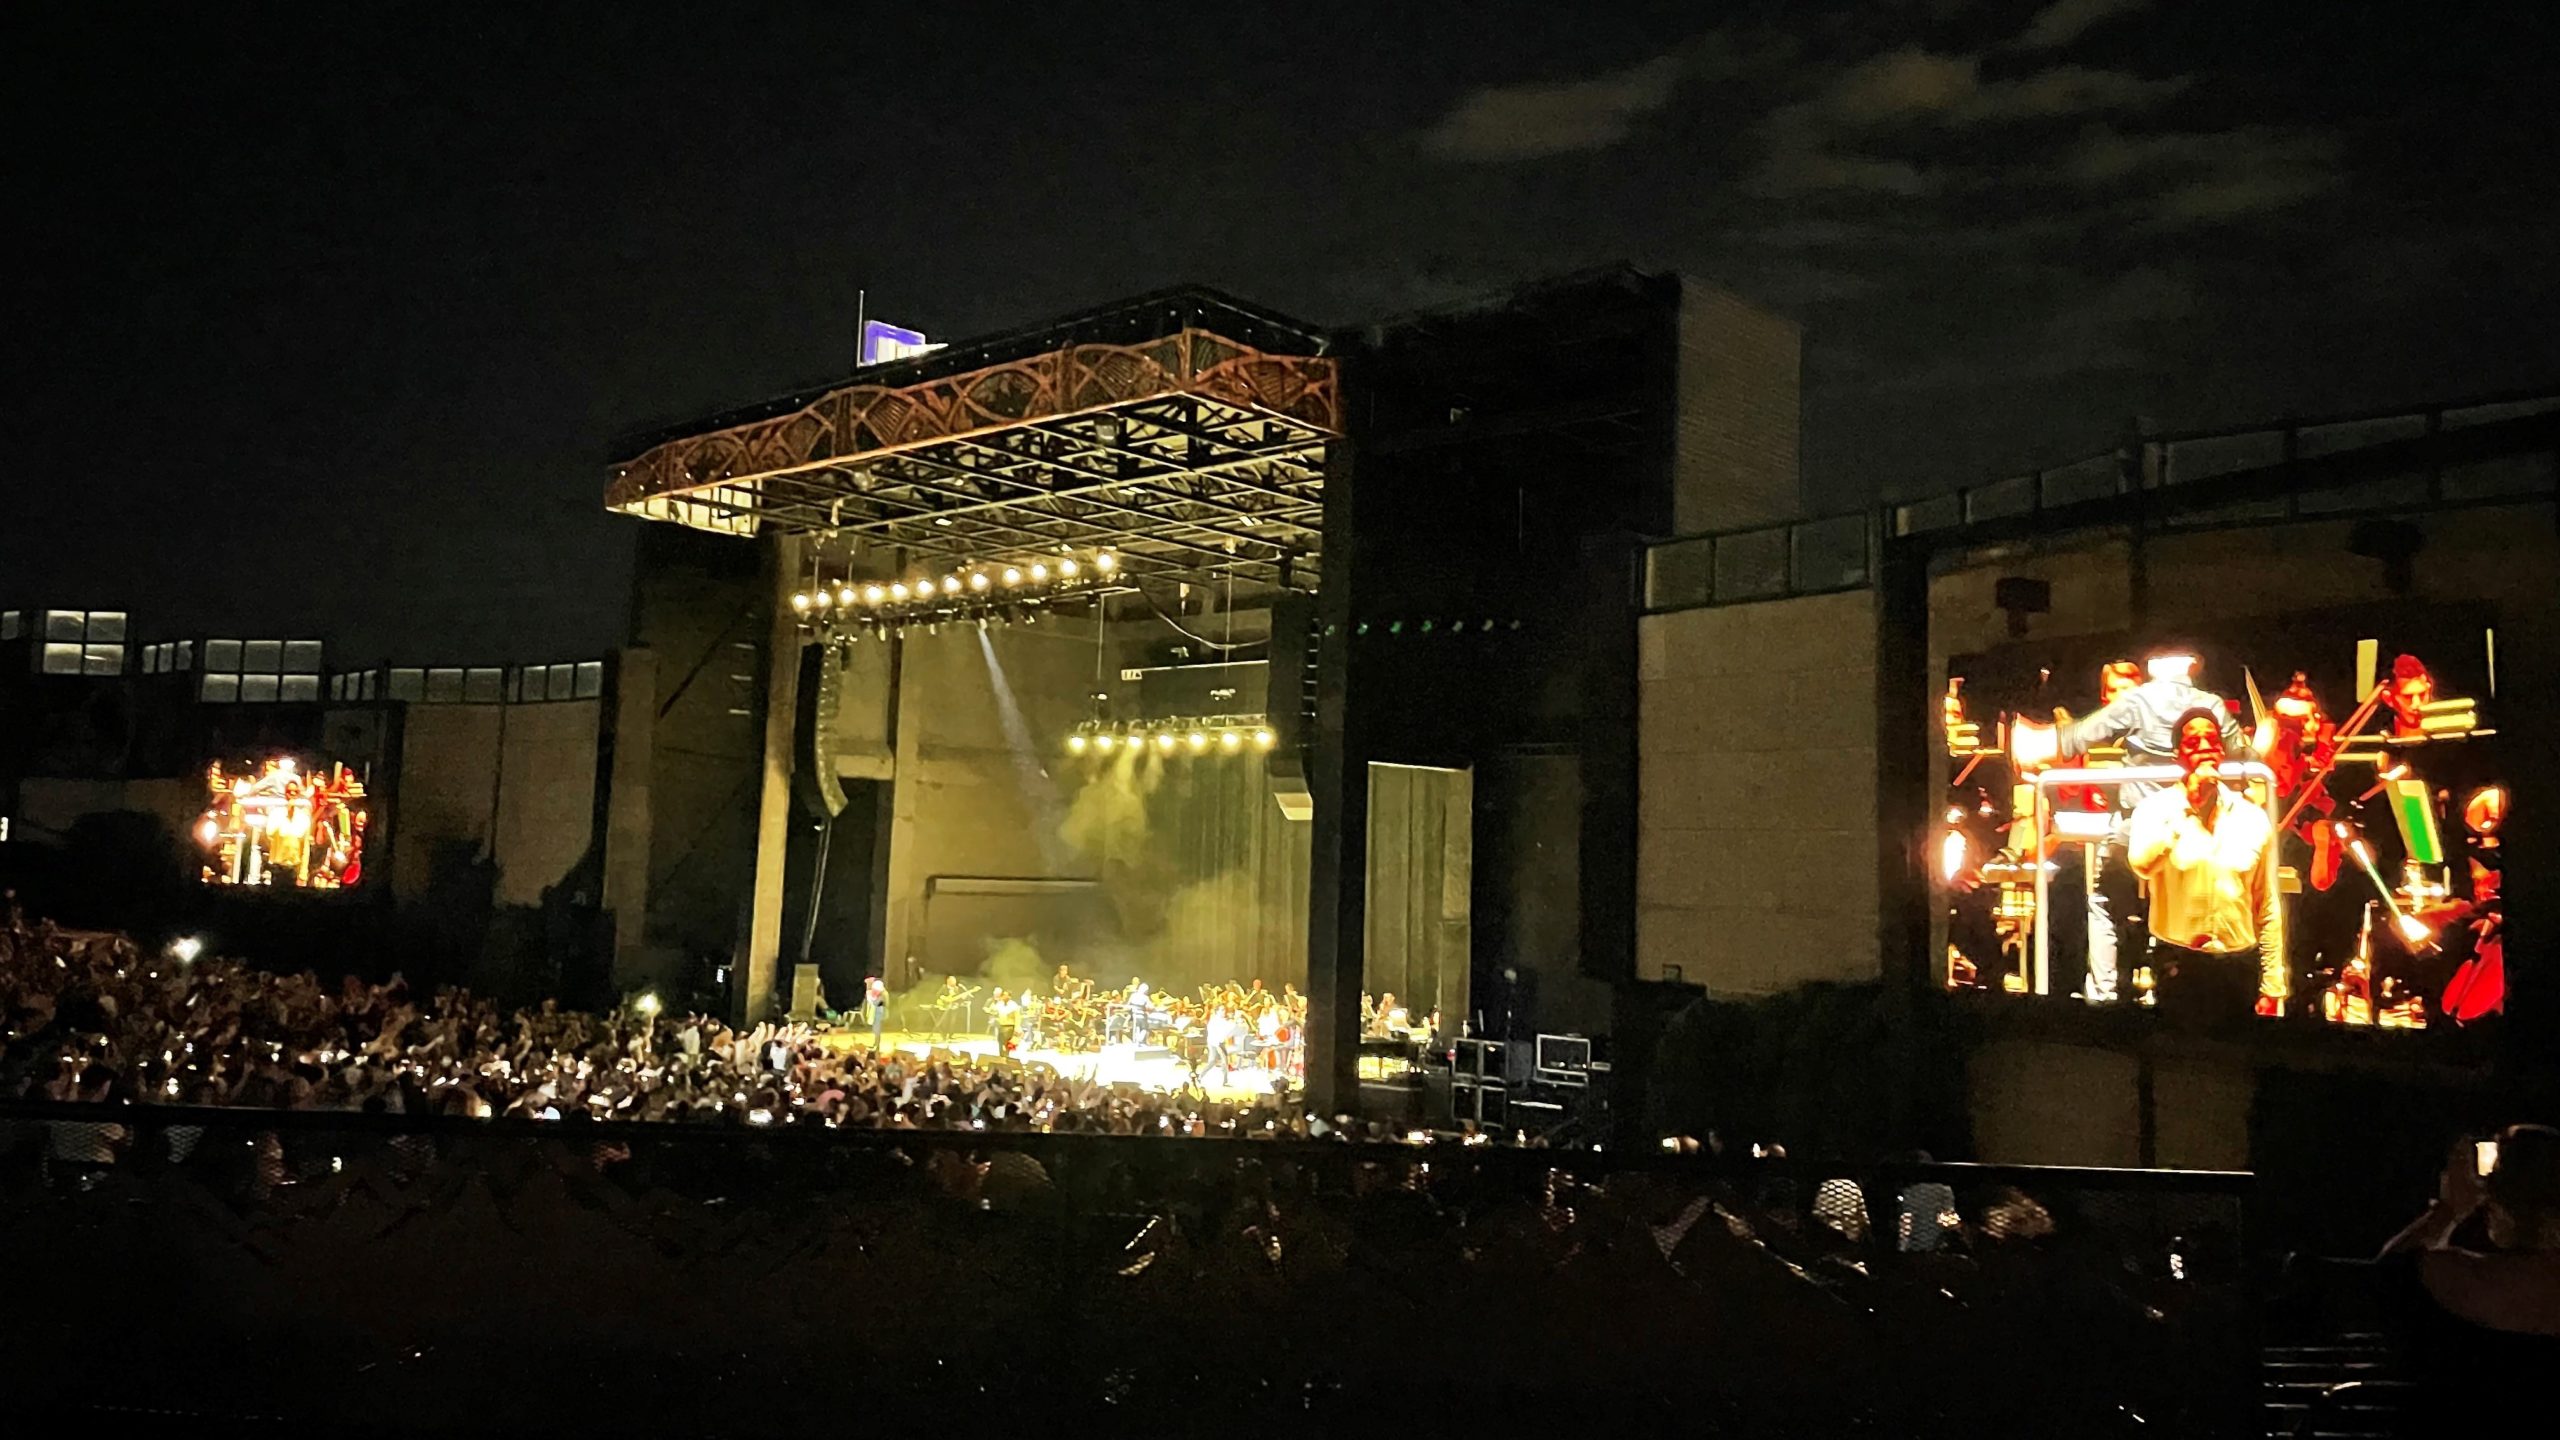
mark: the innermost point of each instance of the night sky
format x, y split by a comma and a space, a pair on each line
327, 318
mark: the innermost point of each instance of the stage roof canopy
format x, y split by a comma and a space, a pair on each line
1184, 430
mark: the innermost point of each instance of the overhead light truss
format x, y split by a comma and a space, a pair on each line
1192, 457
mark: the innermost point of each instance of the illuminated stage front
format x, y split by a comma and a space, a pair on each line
1147, 1067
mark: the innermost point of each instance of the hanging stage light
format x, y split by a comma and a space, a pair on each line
977, 579
1199, 741
1075, 744
1012, 576
1265, 739
1105, 561
1230, 741
800, 603
1066, 569
1106, 740
1039, 573
873, 594
898, 591
1164, 742
821, 599
844, 597
950, 584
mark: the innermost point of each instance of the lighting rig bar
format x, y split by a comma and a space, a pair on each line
1184, 735
848, 608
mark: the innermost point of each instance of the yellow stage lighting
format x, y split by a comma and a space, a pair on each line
1012, 576
1066, 569
799, 602
1106, 742
898, 591
1039, 572
1951, 856
845, 596
1265, 739
1075, 744
1230, 741
873, 594
1105, 561
1164, 742
821, 599
1199, 741
978, 580
950, 584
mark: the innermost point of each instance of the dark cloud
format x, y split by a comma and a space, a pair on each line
1541, 119
1867, 126
2064, 21
2186, 178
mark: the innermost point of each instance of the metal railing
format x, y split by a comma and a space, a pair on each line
456, 1276
1766, 562
2165, 463
1838, 552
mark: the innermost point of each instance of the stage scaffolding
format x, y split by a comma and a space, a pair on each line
1183, 434
1184, 431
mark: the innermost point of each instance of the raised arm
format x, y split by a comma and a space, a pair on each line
2108, 723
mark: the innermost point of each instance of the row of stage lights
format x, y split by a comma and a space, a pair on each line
928, 592
1200, 739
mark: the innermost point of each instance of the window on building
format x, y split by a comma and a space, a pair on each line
83, 642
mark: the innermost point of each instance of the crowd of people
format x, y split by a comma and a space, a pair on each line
92, 1017
1223, 1028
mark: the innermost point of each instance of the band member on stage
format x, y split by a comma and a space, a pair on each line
1137, 1002
2410, 689
1001, 1010
2144, 717
1224, 1031
2201, 848
875, 1005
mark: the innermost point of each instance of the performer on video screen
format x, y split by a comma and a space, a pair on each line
2143, 717
2202, 849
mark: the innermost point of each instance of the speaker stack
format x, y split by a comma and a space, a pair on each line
1478, 1089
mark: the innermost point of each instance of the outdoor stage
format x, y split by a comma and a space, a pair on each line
1147, 1067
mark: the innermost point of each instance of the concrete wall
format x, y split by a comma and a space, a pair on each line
2055, 1102
2504, 555
1756, 851
2092, 589
699, 609
1734, 448
2038, 1102
516, 782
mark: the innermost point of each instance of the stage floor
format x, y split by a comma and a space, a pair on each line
1113, 1065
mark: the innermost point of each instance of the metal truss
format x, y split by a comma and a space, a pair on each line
1193, 456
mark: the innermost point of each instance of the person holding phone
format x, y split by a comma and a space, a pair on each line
2479, 1280
2511, 1187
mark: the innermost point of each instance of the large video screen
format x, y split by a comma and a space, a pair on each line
276, 823
2299, 818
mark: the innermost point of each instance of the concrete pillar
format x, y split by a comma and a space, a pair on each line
773, 811
902, 885
1338, 858
630, 726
